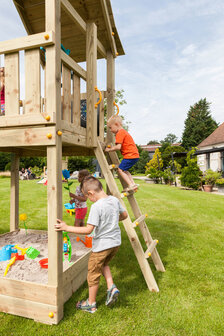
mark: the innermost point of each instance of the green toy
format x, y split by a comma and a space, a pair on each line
32, 253
67, 246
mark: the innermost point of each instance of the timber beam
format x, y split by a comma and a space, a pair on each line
74, 15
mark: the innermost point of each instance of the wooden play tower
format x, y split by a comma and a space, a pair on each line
47, 123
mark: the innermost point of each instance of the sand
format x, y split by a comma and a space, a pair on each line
28, 269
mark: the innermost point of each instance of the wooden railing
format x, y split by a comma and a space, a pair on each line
32, 110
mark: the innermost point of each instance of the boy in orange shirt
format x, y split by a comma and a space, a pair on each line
125, 143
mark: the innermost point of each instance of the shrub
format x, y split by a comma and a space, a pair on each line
211, 177
190, 175
168, 176
220, 181
37, 171
154, 166
155, 174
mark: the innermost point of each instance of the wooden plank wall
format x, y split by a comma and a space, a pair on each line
66, 93
32, 82
76, 100
12, 84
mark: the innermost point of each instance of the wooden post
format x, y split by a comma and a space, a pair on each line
110, 91
76, 110
54, 153
14, 201
53, 61
110, 97
101, 119
91, 82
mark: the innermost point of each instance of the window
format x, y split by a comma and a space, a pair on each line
208, 161
222, 161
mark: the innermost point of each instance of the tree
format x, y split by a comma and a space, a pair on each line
168, 156
168, 141
153, 142
81, 162
199, 124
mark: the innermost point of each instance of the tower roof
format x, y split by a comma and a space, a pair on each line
32, 14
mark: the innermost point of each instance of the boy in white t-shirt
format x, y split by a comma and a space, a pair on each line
104, 216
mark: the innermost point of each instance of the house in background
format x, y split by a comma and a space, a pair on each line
210, 152
151, 148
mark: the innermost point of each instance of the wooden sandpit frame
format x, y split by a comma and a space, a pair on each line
37, 301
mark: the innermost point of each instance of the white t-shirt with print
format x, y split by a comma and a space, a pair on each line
104, 215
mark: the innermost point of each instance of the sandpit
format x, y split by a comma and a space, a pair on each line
28, 269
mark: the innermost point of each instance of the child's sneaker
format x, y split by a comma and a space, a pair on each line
112, 295
84, 305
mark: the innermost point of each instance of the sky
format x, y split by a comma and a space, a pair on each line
174, 57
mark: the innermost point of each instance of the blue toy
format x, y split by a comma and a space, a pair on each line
6, 251
69, 206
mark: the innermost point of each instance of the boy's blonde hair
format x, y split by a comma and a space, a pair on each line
91, 183
115, 119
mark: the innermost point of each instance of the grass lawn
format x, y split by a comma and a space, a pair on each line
189, 227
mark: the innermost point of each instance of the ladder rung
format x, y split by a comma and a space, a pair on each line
113, 166
151, 247
128, 193
139, 220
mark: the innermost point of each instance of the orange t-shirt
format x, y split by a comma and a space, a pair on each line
129, 149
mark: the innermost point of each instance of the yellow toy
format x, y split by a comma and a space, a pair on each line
12, 261
23, 250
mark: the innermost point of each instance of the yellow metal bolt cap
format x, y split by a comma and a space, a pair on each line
157, 242
48, 118
146, 215
112, 33
46, 36
125, 194
136, 223
51, 314
149, 254
59, 133
108, 146
49, 135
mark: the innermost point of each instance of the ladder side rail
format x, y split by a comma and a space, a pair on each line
137, 213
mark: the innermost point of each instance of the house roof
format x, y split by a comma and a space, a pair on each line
150, 148
153, 147
32, 14
216, 137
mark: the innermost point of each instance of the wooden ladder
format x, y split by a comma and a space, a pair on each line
107, 164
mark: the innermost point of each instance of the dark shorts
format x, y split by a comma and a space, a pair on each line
126, 164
